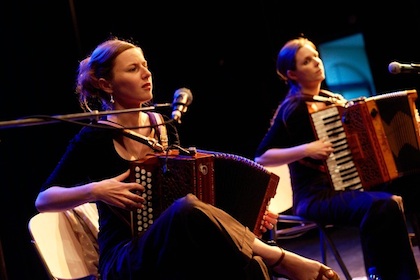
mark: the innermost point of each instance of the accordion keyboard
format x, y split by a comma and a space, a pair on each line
341, 167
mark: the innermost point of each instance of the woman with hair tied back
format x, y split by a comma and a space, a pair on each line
191, 239
291, 140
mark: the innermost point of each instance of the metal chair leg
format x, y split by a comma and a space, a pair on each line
326, 239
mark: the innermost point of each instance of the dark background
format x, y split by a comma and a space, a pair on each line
224, 52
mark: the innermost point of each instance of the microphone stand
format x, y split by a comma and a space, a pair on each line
77, 116
151, 142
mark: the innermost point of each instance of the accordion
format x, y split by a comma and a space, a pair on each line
375, 139
235, 184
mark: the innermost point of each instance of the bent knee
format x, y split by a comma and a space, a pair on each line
399, 201
391, 204
186, 202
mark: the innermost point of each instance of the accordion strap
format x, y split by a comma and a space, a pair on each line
158, 123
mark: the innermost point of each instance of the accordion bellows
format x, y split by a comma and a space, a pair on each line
240, 186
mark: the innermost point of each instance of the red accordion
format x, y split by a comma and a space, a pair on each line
233, 183
375, 140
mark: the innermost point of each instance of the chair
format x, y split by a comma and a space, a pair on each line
282, 202
66, 242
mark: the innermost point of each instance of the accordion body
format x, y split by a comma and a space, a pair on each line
375, 140
233, 183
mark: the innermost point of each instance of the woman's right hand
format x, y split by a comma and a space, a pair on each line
116, 192
319, 149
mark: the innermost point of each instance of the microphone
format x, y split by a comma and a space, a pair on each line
397, 68
182, 99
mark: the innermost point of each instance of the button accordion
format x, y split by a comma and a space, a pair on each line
375, 139
239, 186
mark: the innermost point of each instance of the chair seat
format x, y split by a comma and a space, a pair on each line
298, 227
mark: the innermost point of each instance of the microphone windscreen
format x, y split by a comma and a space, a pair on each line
394, 67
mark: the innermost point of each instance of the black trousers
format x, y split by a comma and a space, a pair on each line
383, 230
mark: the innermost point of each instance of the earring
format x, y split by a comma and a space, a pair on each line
111, 100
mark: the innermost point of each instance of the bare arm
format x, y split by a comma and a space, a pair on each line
112, 191
318, 149
292, 265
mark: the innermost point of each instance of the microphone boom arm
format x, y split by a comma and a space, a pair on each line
77, 116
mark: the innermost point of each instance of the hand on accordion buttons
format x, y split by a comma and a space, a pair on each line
269, 220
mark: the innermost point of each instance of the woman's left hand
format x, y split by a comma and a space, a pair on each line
269, 220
